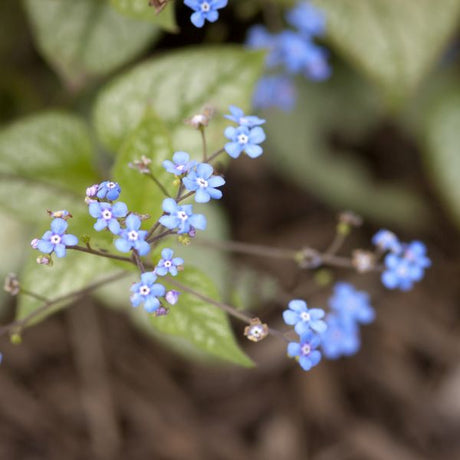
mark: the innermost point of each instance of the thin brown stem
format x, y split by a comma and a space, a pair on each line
216, 154
19, 324
205, 148
100, 253
34, 295
159, 184
138, 261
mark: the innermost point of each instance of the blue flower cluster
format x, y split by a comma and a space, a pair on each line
405, 263
291, 52
309, 325
349, 309
205, 10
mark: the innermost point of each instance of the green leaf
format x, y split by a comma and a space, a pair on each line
67, 275
150, 139
140, 9
86, 38
45, 163
440, 134
199, 324
394, 42
176, 87
337, 175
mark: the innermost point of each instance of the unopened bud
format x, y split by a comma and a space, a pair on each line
172, 297
34, 243
363, 261
62, 214
92, 191
350, 218
11, 284
158, 4
201, 120
161, 311
184, 240
142, 165
44, 260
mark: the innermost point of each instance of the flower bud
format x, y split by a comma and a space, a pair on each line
44, 260
256, 331
34, 243
172, 297
11, 284
92, 191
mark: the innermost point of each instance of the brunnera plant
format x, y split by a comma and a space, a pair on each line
168, 122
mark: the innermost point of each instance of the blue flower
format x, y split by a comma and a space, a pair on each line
402, 270
275, 91
201, 181
168, 264
147, 292
340, 338
307, 19
107, 215
351, 305
56, 239
259, 37
132, 237
181, 164
205, 10
305, 351
181, 217
108, 190
238, 116
245, 140
387, 241
304, 319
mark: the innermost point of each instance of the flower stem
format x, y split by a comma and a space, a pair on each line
205, 148
159, 184
100, 253
19, 324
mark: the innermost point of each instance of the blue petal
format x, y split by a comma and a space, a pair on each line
133, 222
158, 290
290, 317
151, 304
214, 193
298, 305
253, 151
178, 261
197, 19
230, 132
216, 181
100, 225
69, 240
169, 205
136, 300
190, 184
198, 221
123, 245
148, 278
390, 279
293, 349
114, 226
94, 209
161, 271
59, 226
202, 196
233, 149
45, 246
315, 357
256, 135
173, 270
170, 222
305, 363
60, 251
318, 326
212, 16
142, 247
204, 170
167, 253
119, 209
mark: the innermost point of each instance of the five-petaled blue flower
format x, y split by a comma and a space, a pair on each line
402, 270
238, 116
305, 351
133, 238
244, 139
387, 241
351, 305
168, 263
181, 164
108, 190
340, 338
181, 217
308, 19
107, 215
205, 10
201, 181
304, 319
147, 292
56, 239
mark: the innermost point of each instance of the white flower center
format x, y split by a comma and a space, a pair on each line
205, 7
243, 139
256, 331
402, 271
106, 214
168, 263
304, 316
202, 183
182, 215
180, 167
144, 290
111, 185
55, 239
306, 349
133, 235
